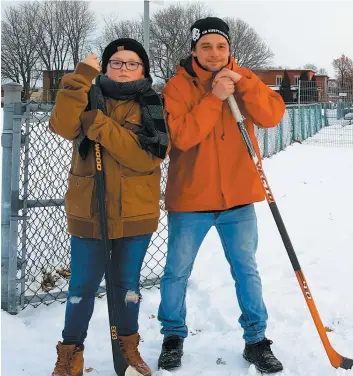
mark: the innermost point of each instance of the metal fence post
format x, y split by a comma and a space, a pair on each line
310, 125
282, 136
294, 125
338, 111
326, 115
266, 144
302, 113
319, 117
299, 87
300, 138
10, 137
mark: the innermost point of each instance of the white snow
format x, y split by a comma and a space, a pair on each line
313, 188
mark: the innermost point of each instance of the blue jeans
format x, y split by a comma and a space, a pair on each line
237, 229
87, 270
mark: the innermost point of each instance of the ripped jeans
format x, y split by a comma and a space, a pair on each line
87, 270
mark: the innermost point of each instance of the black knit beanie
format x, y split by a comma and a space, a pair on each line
126, 44
208, 25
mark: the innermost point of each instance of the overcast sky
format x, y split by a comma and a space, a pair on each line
298, 32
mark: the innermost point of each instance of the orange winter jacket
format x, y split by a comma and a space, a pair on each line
210, 168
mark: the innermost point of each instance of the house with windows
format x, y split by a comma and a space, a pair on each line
273, 78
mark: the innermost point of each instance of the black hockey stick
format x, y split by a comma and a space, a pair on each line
120, 365
336, 359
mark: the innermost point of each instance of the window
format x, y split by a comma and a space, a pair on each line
296, 80
278, 80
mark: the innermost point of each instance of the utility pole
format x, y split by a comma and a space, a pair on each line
146, 26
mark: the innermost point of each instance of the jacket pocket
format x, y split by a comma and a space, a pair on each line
140, 195
78, 198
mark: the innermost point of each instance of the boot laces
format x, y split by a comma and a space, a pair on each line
132, 353
171, 344
265, 348
171, 347
67, 358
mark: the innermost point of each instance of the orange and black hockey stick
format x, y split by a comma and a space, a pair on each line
336, 359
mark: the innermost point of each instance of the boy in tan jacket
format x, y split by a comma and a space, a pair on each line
134, 142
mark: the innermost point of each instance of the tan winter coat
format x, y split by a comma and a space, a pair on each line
132, 175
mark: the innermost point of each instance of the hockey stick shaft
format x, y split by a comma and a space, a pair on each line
336, 359
120, 365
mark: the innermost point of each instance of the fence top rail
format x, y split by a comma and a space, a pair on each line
40, 107
296, 105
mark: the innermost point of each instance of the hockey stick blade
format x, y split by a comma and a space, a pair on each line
347, 363
132, 372
336, 359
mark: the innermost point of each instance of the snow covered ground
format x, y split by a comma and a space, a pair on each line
313, 188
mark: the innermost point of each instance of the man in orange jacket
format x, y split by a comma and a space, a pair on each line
212, 181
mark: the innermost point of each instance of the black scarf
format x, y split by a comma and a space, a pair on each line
153, 135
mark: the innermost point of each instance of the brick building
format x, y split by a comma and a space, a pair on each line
273, 78
51, 80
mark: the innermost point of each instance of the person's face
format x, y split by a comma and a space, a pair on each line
131, 71
212, 52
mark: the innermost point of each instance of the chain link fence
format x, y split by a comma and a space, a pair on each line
43, 243
336, 111
38, 217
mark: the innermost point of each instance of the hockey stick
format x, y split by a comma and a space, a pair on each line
120, 365
336, 359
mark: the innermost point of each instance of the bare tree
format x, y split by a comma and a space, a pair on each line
170, 36
19, 56
247, 47
313, 67
322, 71
78, 23
53, 44
119, 29
343, 67
310, 66
50, 35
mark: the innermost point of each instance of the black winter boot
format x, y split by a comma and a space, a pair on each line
172, 351
261, 356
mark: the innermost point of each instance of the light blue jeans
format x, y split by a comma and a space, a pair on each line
237, 229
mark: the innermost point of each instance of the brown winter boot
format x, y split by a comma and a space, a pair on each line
70, 360
129, 349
